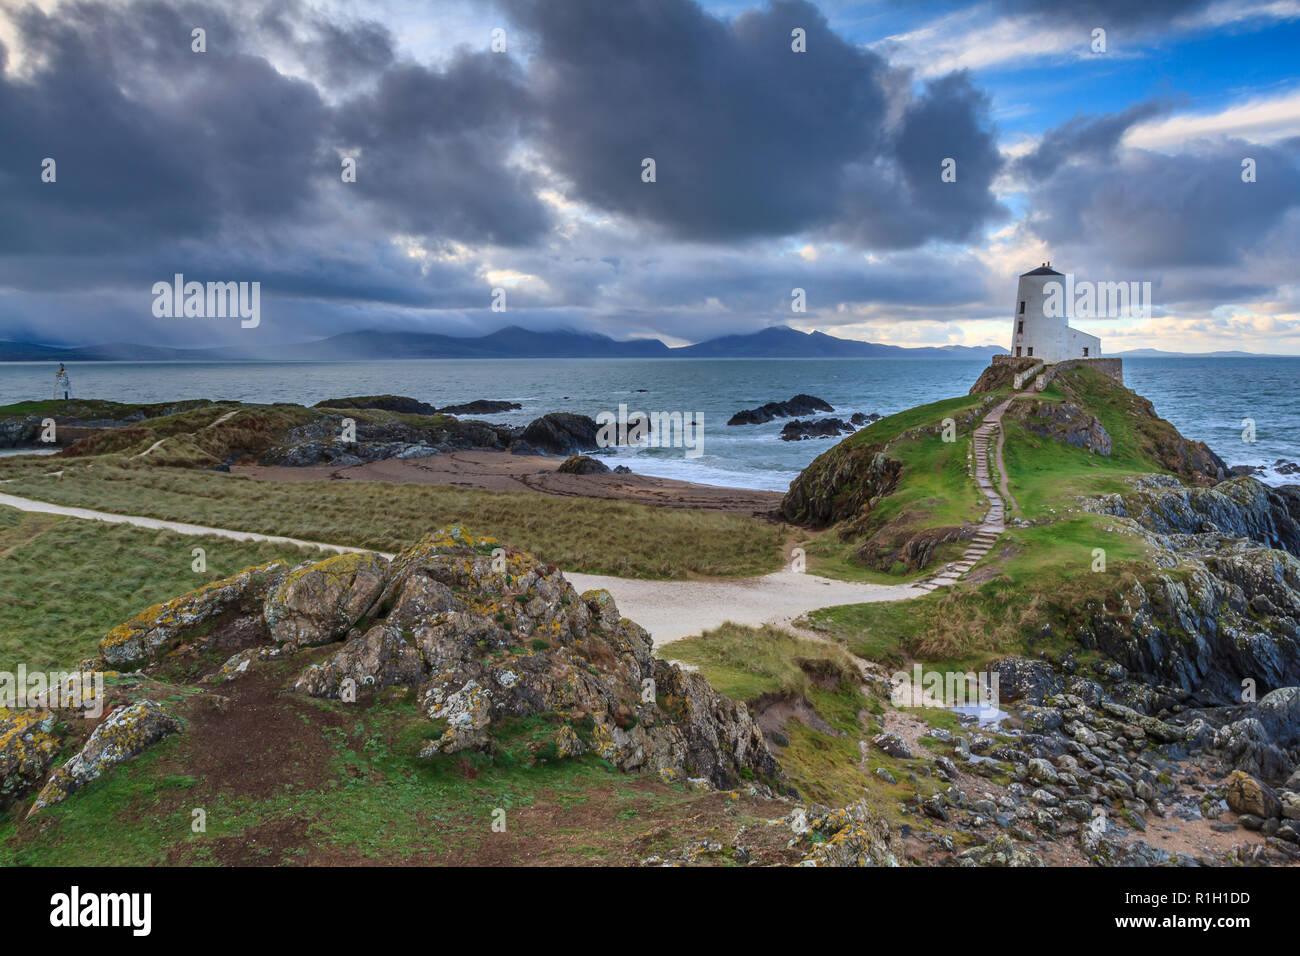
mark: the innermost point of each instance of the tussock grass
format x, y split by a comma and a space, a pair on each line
577, 534
747, 662
64, 582
761, 664
1043, 576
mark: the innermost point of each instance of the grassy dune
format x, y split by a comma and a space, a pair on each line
577, 534
65, 582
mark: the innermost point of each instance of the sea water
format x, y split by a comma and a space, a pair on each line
1207, 399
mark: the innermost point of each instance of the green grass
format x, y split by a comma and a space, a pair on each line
1041, 576
377, 803
746, 662
577, 534
757, 665
64, 582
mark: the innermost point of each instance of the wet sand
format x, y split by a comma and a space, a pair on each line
502, 471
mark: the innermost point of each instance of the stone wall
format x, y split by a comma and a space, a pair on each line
1113, 367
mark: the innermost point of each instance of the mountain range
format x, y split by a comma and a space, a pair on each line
511, 342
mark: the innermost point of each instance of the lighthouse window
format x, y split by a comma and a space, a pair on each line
1022, 308
1085, 351
1031, 351
1020, 327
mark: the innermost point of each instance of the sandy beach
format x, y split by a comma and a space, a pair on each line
502, 471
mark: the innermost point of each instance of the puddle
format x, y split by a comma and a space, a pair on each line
980, 715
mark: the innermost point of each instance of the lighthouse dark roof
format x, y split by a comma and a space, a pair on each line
1042, 271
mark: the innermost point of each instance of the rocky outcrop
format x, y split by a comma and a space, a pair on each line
1003, 372
387, 403
1240, 507
583, 465
19, 431
1221, 602
801, 429
853, 836
1063, 422
480, 634
480, 406
125, 733
798, 405
562, 433
841, 485
319, 442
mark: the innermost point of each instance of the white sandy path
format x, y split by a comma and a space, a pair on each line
667, 609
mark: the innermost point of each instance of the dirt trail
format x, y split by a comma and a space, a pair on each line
667, 609
213, 424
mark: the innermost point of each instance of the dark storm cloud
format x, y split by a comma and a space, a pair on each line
155, 143
1083, 137
340, 52
749, 138
434, 147
140, 162
901, 201
1148, 209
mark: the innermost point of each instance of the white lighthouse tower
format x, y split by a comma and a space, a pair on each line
1037, 331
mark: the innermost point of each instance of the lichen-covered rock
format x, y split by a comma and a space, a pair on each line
318, 603
485, 632
568, 743
164, 626
1245, 794
28, 745
721, 736
382, 657
468, 712
125, 733
852, 836
1000, 851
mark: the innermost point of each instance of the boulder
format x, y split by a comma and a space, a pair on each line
28, 745
893, 744
319, 603
583, 465
1245, 794
561, 433
798, 405
125, 733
